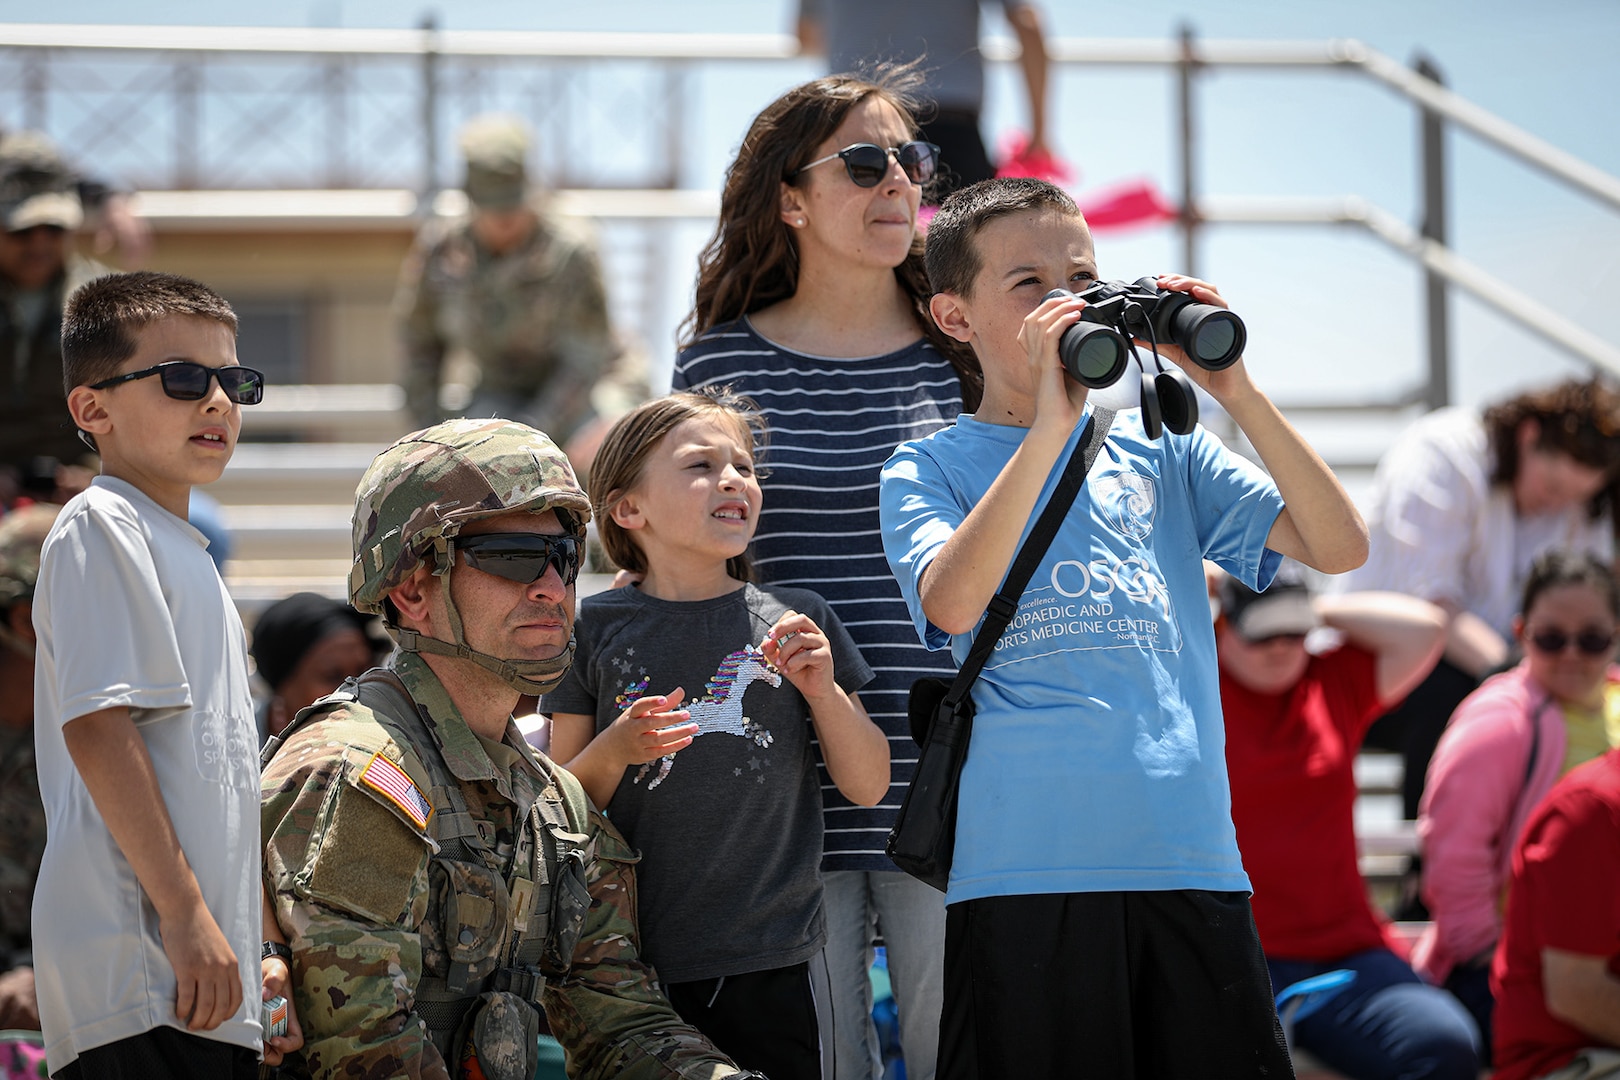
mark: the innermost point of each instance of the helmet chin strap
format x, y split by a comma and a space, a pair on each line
525, 676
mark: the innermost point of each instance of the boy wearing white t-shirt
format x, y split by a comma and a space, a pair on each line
147, 912
1097, 918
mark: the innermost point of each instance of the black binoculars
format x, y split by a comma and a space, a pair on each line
1095, 350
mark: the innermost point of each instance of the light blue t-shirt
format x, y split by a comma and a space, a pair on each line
1098, 756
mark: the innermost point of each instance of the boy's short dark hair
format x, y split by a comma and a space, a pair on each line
101, 316
952, 255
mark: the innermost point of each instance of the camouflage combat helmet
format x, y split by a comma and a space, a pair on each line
421, 492
22, 534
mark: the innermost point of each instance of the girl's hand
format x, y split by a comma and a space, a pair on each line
651, 728
797, 648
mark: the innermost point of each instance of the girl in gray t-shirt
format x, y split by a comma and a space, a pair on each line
729, 829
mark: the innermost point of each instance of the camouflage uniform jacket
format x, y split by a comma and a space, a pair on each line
34, 419
533, 321
360, 892
22, 842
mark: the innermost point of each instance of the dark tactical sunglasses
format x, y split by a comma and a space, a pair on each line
868, 163
522, 557
1589, 642
184, 380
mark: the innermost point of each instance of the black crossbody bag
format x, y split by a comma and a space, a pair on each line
923, 839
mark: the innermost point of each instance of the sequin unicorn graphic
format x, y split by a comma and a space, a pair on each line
719, 710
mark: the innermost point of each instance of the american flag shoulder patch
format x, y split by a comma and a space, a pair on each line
390, 781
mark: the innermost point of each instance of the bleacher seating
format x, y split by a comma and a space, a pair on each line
288, 504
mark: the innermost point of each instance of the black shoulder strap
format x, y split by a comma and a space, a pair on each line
1005, 602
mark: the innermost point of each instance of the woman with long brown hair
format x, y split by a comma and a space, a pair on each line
812, 300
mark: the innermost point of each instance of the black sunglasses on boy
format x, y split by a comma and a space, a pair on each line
522, 557
185, 380
868, 163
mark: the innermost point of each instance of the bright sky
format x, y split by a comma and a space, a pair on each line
1332, 314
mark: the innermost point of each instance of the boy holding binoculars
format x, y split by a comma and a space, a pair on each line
1098, 910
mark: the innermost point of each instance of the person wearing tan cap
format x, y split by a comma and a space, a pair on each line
514, 297
1294, 718
39, 212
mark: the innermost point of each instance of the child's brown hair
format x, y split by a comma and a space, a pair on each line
953, 254
102, 315
620, 462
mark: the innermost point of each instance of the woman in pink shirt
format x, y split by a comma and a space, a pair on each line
1506, 745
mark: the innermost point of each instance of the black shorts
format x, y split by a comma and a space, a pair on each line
1155, 985
775, 1022
164, 1053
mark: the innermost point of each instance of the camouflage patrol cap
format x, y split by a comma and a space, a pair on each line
36, 186
22, 534
496, 149
420, 492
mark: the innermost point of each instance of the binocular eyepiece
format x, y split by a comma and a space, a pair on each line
1095, 349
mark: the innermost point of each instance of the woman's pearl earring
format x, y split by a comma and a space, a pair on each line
799, 222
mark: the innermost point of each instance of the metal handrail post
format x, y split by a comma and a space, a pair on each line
335, 116
1189, 181
188, 77
675, 88
36, 88
430, 114
1432, 133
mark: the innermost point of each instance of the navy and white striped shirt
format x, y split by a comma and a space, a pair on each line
833, 423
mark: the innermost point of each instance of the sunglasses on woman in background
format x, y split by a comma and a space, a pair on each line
868, 163
1589, 642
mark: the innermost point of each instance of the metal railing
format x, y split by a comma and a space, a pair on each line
181, 108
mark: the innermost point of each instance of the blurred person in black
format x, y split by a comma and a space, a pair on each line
305, 646
943, 39
40, 210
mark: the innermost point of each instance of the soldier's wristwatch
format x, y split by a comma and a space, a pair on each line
276, 948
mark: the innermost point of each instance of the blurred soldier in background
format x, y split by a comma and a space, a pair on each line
511, 300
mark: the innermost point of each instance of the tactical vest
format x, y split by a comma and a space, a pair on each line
540, 891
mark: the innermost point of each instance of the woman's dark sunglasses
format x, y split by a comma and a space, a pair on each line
868, 163
188, 381
1589, 642
522, 557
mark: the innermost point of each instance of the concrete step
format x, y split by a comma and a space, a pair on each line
289, 532
304, 472
344, 411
